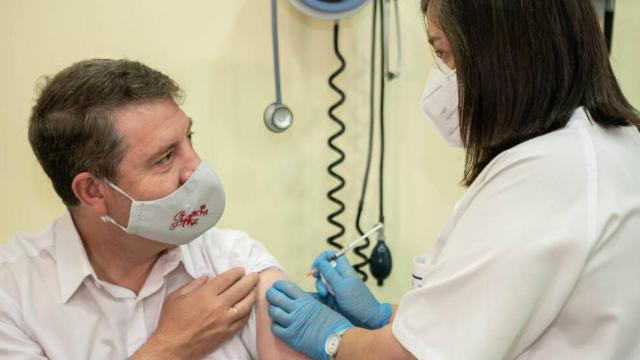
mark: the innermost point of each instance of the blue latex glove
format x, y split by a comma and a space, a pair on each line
353, 298
329, 300
302, 321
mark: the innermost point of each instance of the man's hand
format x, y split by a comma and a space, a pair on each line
201, 315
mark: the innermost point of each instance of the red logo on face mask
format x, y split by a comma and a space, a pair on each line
182, 219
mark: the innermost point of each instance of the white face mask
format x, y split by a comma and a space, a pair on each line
180, 217
440, 104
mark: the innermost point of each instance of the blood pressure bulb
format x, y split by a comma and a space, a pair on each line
380, 261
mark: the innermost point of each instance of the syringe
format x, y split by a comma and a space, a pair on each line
350, 246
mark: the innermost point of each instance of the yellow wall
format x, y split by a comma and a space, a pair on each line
220, 52
625, 56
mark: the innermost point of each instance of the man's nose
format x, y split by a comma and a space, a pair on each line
190, 166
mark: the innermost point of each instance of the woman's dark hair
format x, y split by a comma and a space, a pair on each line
523, 67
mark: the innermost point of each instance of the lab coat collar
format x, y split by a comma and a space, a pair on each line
579, 118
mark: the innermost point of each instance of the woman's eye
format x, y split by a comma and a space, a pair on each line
440, 54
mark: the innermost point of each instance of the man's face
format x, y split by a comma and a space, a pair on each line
159, 156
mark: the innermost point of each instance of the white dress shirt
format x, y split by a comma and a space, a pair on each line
52, 305
541, 257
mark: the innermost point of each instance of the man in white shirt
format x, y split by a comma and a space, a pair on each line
134, 269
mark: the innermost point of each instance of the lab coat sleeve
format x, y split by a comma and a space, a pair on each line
510, 261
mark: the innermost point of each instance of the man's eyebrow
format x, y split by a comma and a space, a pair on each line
165, 149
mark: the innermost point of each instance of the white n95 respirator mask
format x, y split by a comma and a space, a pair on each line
440, 103
180, 217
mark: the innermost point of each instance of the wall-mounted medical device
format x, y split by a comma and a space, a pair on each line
329, 9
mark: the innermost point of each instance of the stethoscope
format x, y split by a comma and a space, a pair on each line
277, 116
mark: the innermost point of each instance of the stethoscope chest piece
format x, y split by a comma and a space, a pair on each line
278, 117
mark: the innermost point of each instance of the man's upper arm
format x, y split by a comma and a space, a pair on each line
269, 346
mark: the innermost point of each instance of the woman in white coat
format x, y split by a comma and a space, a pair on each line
539, 259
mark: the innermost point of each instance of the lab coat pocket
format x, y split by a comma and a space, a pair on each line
421, 266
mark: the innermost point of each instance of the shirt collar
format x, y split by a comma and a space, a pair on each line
72, 262
187, 260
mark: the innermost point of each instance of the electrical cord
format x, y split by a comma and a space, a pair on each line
391, 75
358, 250
381, 114
380, 261
331, 195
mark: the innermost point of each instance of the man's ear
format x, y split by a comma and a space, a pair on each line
90, 192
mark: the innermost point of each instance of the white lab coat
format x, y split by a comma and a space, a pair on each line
541, 257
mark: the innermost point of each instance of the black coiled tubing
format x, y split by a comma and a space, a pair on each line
331, 195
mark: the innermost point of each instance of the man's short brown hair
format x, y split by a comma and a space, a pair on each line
71, 129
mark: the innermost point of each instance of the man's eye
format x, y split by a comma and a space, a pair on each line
166, 158
190, 135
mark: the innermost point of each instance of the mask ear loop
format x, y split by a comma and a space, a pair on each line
116, 188
109, 219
